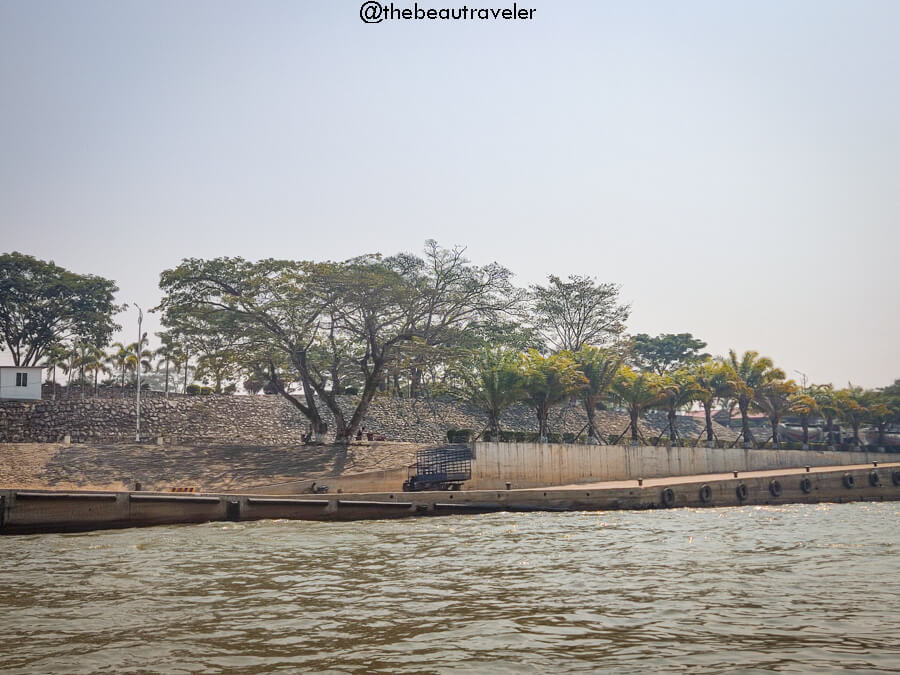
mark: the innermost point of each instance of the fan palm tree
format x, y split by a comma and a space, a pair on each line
805, 406
851, 404
637, 392
745, 376
880, 413
600, 366
828, 405
679, 390
711, 380
774, 399
546, 380
494, 384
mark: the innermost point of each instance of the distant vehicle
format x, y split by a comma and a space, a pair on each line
444, 468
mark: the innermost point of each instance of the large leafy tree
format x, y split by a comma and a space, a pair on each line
328, 321
637, 392
577, 312
42, 304
600, 366
547, 380
666, 353
745, 375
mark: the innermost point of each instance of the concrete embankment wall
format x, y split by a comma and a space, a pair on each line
539, 464
372, 481
29, 511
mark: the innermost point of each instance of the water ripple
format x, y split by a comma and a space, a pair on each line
753, 589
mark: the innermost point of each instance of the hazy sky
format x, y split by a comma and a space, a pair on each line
734, 165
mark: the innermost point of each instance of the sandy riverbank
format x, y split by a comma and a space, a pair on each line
210, 467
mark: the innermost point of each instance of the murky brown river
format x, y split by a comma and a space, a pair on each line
795, 588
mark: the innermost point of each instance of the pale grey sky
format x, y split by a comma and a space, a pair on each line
734, 165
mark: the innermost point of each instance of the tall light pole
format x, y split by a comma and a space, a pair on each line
803, 375
137, 369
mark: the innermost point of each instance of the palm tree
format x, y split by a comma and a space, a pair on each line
745, 376
494, 384
680, 390
88, 358
879, 412
55, 358
166, 355
774, 399
637, 392
851, 404
119, 360
710, 377
600, 366
139, 357
827, 402
805, 406
97, 366
546, 380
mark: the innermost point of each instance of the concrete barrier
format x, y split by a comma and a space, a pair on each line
539, 464
29, 511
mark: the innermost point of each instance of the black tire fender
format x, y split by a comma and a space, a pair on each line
741, 491
806, 485
848, 480
895, 477
874, 479
705, 494
668, 497
775, 488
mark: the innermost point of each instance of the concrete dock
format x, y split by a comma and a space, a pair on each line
33, 511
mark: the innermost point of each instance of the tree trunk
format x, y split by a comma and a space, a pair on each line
745, 423
54, 383
673, 434
590, 409
774, 422
805, 423
829, 424
167, 377
634, 414
707, 410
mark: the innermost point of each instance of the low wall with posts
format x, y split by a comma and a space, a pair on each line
539, 464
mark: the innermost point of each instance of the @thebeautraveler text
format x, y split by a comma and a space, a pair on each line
376, 12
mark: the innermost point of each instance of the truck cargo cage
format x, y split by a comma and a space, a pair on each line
444, 468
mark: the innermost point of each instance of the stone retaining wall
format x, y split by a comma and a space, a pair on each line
272, 420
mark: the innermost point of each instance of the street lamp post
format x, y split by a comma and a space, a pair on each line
137, 369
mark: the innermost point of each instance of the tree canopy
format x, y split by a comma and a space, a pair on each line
667, 352
578, 312
42, 304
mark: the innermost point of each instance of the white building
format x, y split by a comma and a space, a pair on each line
20, 384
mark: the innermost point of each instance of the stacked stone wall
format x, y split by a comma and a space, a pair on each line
273, 420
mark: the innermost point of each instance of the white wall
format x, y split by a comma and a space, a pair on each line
540, 464
9, 390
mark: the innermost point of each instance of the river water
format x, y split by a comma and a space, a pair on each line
794, 588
